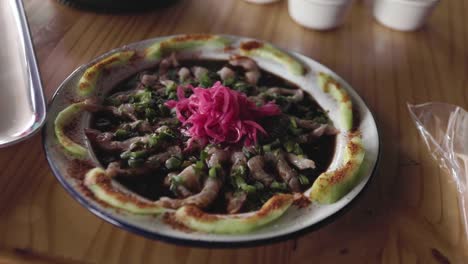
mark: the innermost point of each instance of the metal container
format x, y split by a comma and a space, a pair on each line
22, 105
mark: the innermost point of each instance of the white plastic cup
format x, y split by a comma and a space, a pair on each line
319, 14
404, 15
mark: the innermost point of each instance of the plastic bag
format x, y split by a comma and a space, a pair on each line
444, 128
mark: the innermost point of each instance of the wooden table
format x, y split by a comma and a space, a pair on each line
409, 213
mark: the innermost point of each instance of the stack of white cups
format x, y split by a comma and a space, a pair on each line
405, 15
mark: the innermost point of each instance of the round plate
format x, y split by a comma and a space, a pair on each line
294, 222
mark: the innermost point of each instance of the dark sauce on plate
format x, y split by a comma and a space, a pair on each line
151, 186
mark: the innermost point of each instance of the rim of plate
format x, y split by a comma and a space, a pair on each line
138, 229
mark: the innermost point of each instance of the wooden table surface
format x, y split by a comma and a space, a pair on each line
409, 213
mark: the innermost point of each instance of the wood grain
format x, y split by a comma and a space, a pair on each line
409, 214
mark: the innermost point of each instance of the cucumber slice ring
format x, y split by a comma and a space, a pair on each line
196, 219
331, 186
88, 82
183, 43
100, 185
333, 87
62, 120
264, 50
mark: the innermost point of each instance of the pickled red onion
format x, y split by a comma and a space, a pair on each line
219, 114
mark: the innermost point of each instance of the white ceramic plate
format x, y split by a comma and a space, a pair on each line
294, 222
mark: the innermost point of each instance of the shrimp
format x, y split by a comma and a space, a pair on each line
252, 71
256, 165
